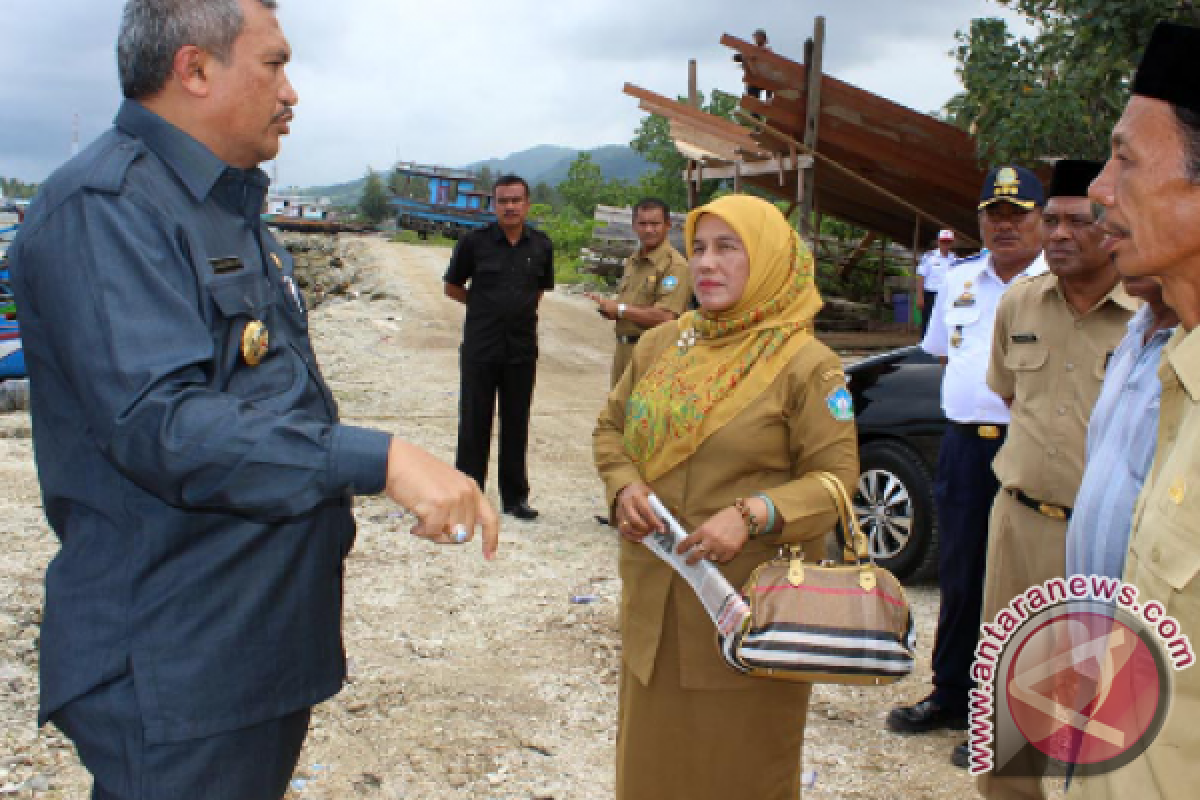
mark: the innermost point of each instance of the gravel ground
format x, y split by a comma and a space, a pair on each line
467, 679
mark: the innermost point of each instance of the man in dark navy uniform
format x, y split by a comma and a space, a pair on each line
500, 273
190, 455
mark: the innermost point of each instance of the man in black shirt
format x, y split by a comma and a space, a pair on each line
508, 265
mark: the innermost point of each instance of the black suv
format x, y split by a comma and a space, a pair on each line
897, 404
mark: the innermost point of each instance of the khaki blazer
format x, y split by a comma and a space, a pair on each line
771, 447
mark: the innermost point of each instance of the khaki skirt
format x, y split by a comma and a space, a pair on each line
690, 744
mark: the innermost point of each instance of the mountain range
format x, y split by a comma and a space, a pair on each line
543, 163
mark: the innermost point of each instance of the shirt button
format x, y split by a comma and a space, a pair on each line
1070, 367
1062, 411
1156, 554
1078, 324
1052, 451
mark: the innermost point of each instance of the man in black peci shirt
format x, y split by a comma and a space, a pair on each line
508, 265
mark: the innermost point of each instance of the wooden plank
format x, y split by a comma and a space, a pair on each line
813, 65
769, 167
673, 109
706, 142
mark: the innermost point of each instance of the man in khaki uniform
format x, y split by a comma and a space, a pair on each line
656, 286
1150, 190
1053, 337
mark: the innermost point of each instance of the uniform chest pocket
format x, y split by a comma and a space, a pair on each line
278, 375
1168, 561
1026, 356
963, 317
240, 296
643, 291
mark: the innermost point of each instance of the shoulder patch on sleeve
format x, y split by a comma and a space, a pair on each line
840, 404
108, 174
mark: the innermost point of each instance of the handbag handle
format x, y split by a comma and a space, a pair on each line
855, 549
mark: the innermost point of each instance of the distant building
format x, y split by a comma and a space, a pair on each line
299, 207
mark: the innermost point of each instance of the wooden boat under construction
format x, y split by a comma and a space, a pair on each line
869, 161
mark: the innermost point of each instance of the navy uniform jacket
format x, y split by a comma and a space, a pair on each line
203, 505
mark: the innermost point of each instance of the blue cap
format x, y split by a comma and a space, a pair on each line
1015, 185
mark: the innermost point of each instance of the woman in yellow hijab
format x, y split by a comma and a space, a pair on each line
723, 415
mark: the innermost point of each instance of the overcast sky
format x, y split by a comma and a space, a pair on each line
455, 81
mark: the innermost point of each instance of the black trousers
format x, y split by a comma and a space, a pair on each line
929, 298
481, 385
964, 492
254, 763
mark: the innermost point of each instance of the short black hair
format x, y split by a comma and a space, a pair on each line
648, 203
1189, 127
511, 180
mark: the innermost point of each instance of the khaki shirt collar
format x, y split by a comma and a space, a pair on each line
1116, 295
1181, 362
657, 256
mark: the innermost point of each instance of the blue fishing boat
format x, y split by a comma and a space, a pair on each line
454, 203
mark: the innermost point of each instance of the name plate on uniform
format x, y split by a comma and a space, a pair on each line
221, 266
1024, 338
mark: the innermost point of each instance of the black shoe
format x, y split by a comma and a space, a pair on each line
521, 511
923, 717
961, 757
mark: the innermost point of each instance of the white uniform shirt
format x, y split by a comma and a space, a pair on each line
960, 330
933, 269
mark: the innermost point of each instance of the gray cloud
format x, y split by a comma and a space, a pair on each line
459, 80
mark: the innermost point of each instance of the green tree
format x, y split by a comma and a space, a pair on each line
485, 178
373, 205
583, 184
585, 187
15, 189
1060, 91
544, 194
653, 142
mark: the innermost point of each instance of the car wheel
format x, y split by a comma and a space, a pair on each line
894, 506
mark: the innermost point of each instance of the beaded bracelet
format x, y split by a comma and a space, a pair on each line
770, 526
752, 528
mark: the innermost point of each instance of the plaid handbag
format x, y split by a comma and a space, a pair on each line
827, 622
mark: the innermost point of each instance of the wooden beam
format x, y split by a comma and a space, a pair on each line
856, 254
752, 169
912, 290
813, 62
693, 85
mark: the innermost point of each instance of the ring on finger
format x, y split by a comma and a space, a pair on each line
713, 557
461, 534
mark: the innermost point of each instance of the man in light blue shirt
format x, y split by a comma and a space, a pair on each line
1121, 439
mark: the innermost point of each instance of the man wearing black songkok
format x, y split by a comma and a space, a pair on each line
1150, 190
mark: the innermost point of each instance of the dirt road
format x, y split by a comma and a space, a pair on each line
468, 680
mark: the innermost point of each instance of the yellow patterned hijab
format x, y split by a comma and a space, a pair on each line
724, 361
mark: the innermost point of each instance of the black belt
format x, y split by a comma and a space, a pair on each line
628, 339
1045, 509
981, 429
